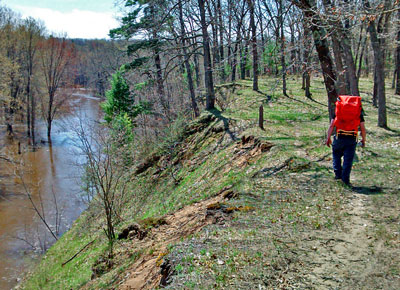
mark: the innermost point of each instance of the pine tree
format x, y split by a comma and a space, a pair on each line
118, 99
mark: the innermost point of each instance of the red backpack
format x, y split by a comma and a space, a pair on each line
348, 112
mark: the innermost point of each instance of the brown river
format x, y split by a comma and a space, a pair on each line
52, 175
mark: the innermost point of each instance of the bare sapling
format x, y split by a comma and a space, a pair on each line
105, 176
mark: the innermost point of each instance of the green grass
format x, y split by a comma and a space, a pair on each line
289, 203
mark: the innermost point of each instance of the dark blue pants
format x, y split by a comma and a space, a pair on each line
343, 147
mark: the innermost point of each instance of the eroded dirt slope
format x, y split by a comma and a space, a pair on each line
151, 270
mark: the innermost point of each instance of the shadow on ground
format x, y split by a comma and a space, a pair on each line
219, 116
368, 190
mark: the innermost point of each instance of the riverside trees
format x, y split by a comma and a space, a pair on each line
38, 68
56, 54
29, 61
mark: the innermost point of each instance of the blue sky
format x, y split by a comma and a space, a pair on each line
76, 18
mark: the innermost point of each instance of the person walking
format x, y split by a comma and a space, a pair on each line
349, 118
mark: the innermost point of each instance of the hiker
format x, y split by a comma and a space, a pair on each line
349, 117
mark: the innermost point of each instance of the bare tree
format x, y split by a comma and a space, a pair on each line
321, 44
398, 55
55, 56
378, 46
105, 175
31, 35
186, 61
208, 75
253, 28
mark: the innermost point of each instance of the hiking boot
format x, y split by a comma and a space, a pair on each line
347, 183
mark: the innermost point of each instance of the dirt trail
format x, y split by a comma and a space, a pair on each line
149, 270
342, 255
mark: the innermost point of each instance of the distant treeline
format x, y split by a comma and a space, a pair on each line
34, 64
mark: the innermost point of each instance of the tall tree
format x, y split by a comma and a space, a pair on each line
146, 21
239, 16
31, 35
379, 75
344, 33
186, 61
332, 26
208, 75
307, 40
253, 28
309, 9
12, 59
221, 38
398, 55
55, 56
283, 45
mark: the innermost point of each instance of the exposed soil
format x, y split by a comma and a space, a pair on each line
150, 268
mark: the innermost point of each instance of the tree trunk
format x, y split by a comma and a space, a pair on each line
343, 48
397, 91
348, 55
229, 48
361, 58
283, 47
197, 70
375, 91
261, 117
187, 64
243, 60
321, 44
306, 56
214, 30
33, 120
359, 50
49, 115
263, 67
292, 51
160, 82
341, 81
28, 108
350, 66
238, 46
221, 39
307, 84
235, 53
208, 77
254, 44
366, 61
379, 71
246, 54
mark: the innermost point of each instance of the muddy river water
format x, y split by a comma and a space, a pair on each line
52, 175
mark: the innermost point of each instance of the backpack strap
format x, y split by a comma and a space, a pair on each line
347, 133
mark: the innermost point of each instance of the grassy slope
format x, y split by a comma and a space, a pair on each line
297, 204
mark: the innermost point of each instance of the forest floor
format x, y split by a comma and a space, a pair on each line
227, 205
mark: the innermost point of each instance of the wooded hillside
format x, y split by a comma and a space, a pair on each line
188, 190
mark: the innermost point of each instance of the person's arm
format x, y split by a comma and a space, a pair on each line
363, 134
330, 131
